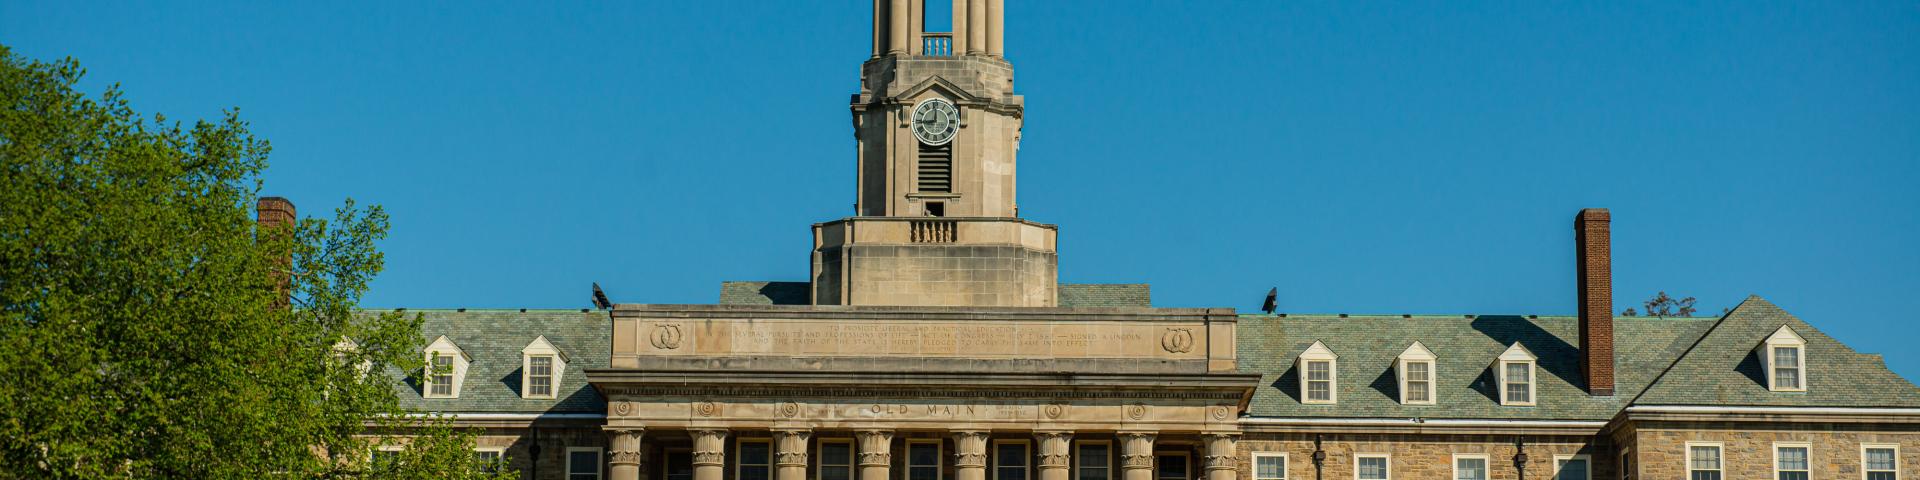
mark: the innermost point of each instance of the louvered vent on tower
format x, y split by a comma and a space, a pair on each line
936, 168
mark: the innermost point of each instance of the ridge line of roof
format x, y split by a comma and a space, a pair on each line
1655, 382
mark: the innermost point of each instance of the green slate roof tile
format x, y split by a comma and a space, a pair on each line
765, 293
1725, 368
494, 339
1105, 295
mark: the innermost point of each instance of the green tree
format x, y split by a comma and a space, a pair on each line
1664, 306
142, 333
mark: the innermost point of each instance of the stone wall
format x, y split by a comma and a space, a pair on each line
1747, 449
1422, 456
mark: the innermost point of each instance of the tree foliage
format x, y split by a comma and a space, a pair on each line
140, 332
1664, 306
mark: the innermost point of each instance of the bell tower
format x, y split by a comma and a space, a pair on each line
937, 127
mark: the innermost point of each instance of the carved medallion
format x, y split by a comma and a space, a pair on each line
705, 409
1220, 412
789, 409
1137, 411
1055, 410
666, 336
621, 409
1177, 340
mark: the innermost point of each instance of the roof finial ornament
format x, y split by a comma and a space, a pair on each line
1272, 303
600, 298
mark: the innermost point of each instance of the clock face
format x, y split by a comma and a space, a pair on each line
935, 122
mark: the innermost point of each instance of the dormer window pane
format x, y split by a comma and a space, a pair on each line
540, 376
1320, 381
1419, 382
1786, 367
441, 381
1519, 383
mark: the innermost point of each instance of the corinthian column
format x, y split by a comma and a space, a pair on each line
1136, 455
791, 454
970, 454
1220, 464
876, 453
709, 453
1054, 459
623, 459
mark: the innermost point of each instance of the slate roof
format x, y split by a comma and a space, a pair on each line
494, 339
1071, 295
1725, 368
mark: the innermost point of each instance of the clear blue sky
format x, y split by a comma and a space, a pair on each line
1364, 157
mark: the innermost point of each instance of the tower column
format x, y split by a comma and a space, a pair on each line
1055, 462
970, 455
709, 453
880, 21
996, 27
977, 27
790, 457
897, 28
1136, 455
960, 12
876, 454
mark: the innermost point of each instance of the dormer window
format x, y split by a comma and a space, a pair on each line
1515, 372
1415, 370
1319, 375
1785, 355
541, 365
446, 369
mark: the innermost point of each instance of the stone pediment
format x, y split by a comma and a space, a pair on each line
942, 87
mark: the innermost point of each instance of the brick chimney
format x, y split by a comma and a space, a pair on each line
275, 216
1592, 238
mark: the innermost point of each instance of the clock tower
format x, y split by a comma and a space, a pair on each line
938, 129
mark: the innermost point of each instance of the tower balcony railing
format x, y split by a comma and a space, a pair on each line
936, 44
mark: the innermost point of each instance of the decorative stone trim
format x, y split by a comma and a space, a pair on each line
1054, 449
792, 447
970, 449
876, 447
624, 446
709, 446
898, 393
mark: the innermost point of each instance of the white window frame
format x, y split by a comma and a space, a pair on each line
853, 458
1110, 457
444, 347
1687, 467
501, 461
939, 456
739, 460
540, 347
1626, 463
1318, 352
1025, 446
1864, 472
1582, 457
1186, 456
1775, 468
1387, 456
1285, 464
1784, 337
599, 458
384, 448
1518, 355
1455, 471
1417, 353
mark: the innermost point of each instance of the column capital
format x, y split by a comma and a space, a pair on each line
969, 449
709, 446
623, 445
790, 446
1136, 451
876, 447
1053, 451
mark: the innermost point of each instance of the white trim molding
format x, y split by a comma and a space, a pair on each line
1486, 465
1806, 446
1557, 459
1866, 472
1720, 463
458, 362
1389, 463
1785, 340
1285, 463
1315, 354
557, 365
1518, 355
1417, 354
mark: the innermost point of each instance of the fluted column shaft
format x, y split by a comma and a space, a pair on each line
790, 457
970, 454
1055, 461
876, 453
976, 27
897, 28
623, 453
1136, 455
996, 27
1220, 455
709, 453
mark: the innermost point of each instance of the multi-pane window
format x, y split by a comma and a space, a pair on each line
1786, 368
1519, 384
1171, 466
1881, 462
583, 464
756, 460
540, 376
1320, 381
1419, 382
1010, 461
923, 460
1093, 462
1269, 466
1572, 468
489, 460
1470, 468
836, 460
440, 382
1703, 462
1371, 467
1790, 462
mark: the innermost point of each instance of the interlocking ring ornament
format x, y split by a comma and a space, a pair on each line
1177, 340
666, 336
706, 409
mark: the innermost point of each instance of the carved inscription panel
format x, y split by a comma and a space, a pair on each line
983, 339
852, 413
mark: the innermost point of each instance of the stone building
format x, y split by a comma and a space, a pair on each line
933, 341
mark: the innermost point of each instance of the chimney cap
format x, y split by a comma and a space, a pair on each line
1594, 215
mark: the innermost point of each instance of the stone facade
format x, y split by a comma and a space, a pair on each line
1421, 456
1659, 449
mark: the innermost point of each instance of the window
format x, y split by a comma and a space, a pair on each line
446, 369
836, 460
1515, 369
756, 460
583, 463
1469, 467
679, 464
1416, 375
1010, 460
1703, 461
1372, 467
1093, 461
1171, 466
441, 378
490, 459
541, 365
923, 460
1881, 462
1572, 467
386, 456
1626, 464
1785, 355
1269, 466
1790, 461
1319, 375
